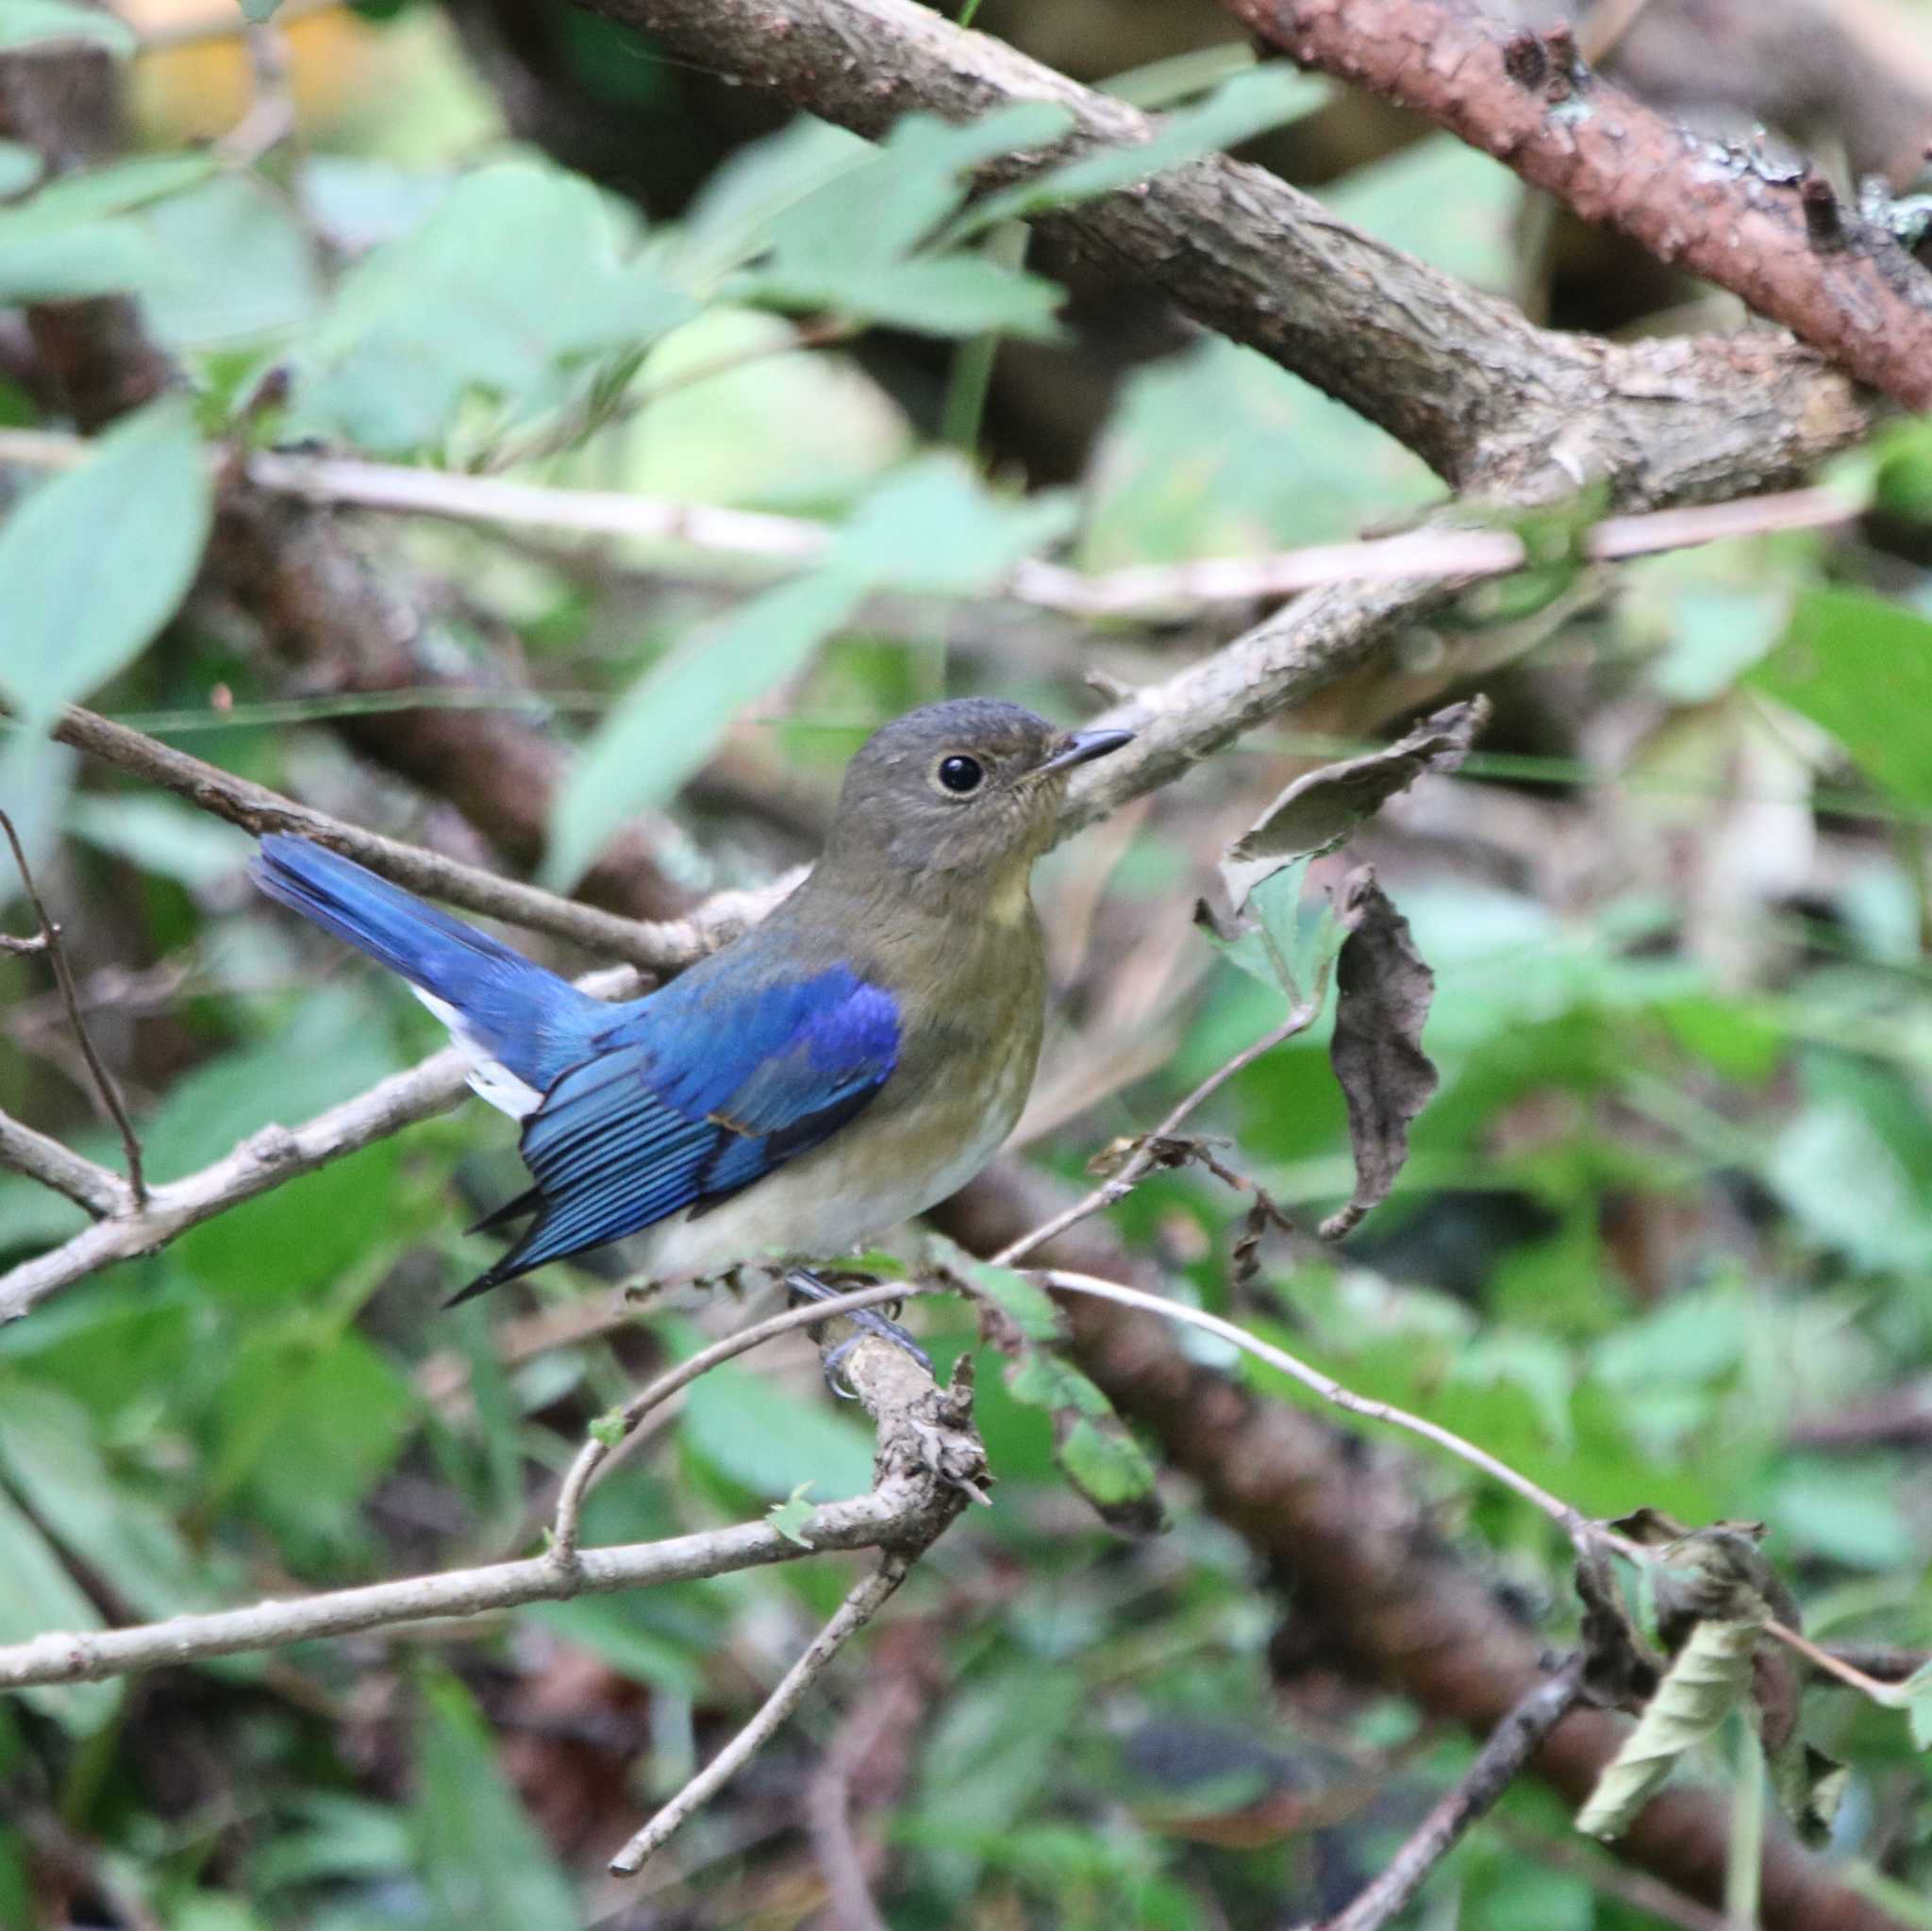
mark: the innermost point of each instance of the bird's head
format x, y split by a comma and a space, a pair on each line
966, 793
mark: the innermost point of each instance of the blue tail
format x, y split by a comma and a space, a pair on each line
502, 1006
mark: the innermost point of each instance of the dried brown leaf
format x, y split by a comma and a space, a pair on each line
1384, 988
1322, 807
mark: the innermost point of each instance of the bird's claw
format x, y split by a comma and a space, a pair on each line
806, 1286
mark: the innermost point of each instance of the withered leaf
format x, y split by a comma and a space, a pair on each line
1322, 807
1618, 1663
1707, 1679
1384, 988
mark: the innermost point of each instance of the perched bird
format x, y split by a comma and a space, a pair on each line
846, 1064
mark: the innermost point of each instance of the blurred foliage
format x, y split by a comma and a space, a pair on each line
1663, 1239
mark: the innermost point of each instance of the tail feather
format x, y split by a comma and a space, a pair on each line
511, 1014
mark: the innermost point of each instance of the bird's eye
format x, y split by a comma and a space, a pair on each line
959, 774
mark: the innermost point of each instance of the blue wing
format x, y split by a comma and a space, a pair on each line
701, 1090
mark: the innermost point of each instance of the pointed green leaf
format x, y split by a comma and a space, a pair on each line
482, 1860
94, 562
1243, 106
676, 715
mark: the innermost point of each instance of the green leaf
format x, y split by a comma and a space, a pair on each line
513, 289
770, 1441
790, 1516
482, 1860
932, 529
1095, 1450
259, 11
1026, 1306
162, 836
48, 1454
1246, 105
676, 715
861, 242
37, 1596
95, 561
1918, 1689
1709, 1677
23, 23
1862, 668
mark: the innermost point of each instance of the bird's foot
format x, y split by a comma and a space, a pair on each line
804, 1285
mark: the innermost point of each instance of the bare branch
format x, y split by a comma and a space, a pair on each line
43, 1158
87, 1655
924, 1444
63, 976
604, 1440
1515, 1740
1141, 1161
654, 945
865, 1601
1165, 590
1782, 243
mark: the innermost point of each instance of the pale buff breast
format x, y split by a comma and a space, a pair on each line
905, 1154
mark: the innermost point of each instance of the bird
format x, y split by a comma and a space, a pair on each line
850, 1061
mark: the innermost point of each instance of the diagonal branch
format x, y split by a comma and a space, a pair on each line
1497, 1765
1484, 397
1781, 241
43, 1158
655, 945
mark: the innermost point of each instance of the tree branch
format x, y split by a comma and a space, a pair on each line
1516, 1738
1783, 242
654, 945
46, 1160
924, 1437
109, 1095
1371, 1579
1484, 397
867, 1598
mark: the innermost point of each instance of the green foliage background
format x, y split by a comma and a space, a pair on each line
1673, 1204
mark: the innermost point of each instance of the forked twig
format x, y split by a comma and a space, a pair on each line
69, 997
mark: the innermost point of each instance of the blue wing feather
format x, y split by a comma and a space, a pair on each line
695, 1093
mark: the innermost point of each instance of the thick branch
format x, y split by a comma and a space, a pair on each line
1371, 1581
1484, 397
1784, 243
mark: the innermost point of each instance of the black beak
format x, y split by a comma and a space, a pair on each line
1082, 747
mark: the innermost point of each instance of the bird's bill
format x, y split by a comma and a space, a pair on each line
1082, 747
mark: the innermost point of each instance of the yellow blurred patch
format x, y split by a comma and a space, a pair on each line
198, 90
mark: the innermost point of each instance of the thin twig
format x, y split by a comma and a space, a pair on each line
610, 1433
1512, 1743
1579, 1528
654, 946
852, 1615
70, 994
1164, 591
1123, 1183
89, 1655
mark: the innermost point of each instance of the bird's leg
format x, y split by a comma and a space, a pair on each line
804, 1285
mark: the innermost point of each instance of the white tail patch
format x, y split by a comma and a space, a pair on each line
488, 1077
